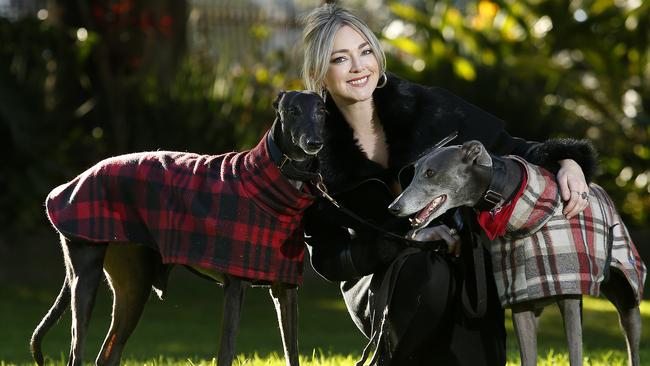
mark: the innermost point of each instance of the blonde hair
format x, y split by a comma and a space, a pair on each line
320, 27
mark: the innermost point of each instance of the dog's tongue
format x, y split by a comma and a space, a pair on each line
423, 214
427, 210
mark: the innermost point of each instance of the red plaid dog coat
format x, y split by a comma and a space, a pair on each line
543, 254
234, 213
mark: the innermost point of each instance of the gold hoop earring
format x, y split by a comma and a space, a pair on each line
383, 84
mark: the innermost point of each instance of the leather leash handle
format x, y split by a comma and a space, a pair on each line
481, 287
477, 235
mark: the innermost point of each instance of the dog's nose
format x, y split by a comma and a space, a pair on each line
394, 208
314, 143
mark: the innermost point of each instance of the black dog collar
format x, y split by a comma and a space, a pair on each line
493, 199
276, 155
286, 165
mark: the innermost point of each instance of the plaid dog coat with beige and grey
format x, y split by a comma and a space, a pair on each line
543, 254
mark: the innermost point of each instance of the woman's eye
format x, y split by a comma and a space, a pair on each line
338, 60
367, 51
428, 173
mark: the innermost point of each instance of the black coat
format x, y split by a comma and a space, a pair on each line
414, 118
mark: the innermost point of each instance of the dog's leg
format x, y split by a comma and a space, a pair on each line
130, 271
525, 323
235, 290
571, 309
84, 271
286, 307
630, 321
618, 291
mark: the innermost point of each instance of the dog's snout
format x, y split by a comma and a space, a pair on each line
395, 208
314, 143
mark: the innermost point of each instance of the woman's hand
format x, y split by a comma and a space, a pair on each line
450, 236
573, 188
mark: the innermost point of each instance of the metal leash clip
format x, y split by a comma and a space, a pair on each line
323, 190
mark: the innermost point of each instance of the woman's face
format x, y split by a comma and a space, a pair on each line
353, 70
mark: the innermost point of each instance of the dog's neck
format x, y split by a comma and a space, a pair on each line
501, 181
296, 171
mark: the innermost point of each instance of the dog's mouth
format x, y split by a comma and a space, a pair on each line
424, 216
312, 150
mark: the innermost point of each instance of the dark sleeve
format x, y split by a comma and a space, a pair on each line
327, 242
338, 252
547, 154
477, 124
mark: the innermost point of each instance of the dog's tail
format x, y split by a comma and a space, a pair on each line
61, 303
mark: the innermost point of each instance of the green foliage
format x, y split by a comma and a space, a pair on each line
549, 68
41, 86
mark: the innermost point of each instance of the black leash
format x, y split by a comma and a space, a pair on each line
476, 236
491, 201
434, 245
381, 301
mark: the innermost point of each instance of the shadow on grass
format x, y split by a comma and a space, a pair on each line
186, 324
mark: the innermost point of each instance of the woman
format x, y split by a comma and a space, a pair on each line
378, 123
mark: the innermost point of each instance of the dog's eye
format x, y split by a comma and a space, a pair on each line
428, 173
293, 111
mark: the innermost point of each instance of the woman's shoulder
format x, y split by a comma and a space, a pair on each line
408, 88
433, 112
413, 96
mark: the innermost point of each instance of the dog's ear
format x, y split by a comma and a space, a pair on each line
474, 152
276, 102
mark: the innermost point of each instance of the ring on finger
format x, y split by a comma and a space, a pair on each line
453, 232
583, 195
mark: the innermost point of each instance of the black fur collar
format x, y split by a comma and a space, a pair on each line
551, 151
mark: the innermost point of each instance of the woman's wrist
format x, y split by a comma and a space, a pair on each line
564, 153
565, 163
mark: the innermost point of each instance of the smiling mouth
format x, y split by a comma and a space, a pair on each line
360, 81
424, 216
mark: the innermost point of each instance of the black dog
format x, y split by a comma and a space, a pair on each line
235, 218
538, 259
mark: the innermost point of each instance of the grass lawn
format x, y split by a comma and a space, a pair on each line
184, 329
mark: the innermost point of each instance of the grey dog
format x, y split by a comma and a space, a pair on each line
134, 253
464, 175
